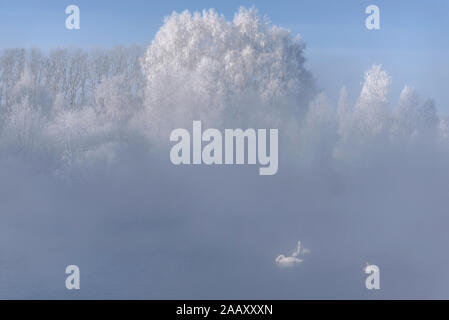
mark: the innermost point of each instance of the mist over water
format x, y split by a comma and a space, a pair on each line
85, 175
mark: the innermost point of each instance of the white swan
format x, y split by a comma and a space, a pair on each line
283, 261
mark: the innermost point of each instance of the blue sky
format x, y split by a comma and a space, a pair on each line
413, 43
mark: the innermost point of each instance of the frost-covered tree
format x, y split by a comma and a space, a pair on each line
22, 130
201, 66
24, 117
12, 65
415, 119
67, 102
319, 130
114, 100
372, 111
